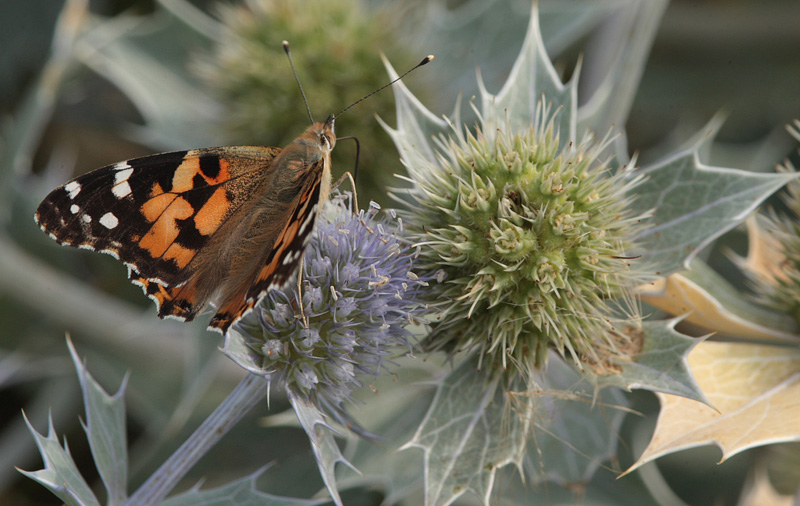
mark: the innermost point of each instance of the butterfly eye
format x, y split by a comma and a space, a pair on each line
323, 139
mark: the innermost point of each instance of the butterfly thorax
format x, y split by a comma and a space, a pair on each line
307, 156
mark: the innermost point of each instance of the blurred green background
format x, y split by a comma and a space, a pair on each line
129, 86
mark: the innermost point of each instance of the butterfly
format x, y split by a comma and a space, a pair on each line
221, 226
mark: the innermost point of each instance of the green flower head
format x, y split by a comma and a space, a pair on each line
529, 231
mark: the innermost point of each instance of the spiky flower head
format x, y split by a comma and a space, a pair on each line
776, 278
359, 295
531, 239
779, 287
528, 228
336, 47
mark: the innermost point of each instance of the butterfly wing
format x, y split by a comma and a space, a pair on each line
283, 258
225, 224
157, 213
303, 177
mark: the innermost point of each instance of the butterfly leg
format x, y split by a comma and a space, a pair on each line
300, 292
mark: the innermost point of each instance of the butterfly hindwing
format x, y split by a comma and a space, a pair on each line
281, 261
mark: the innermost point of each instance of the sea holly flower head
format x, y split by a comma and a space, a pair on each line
527, 224
531, 236
359, 294
776, 277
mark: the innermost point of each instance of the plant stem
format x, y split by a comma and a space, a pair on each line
249, 392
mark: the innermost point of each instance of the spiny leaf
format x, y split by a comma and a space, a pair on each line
448, 28
393, 406
105, 429
533, 79
709, 301
575, 427
416, 125
472, 428
620, 64
242, 492
323, 443
60, 474
661, 364
755, 390
693, 204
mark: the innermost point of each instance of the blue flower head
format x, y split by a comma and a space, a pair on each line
359, 294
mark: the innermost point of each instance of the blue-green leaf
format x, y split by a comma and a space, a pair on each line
242, 492
416, 126
533, 79
692, 204
393, 406
575, 427
473, 427
105, 429
613, 69
60, 474
661, 365
323, 443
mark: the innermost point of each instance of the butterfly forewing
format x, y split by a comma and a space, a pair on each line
159, 213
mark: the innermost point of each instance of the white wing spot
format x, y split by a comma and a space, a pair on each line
73, 188
86, 218
121, 187
121, 190
109, 221
74, 209
308, 220
290, 257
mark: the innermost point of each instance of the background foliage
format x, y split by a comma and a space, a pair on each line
84, 93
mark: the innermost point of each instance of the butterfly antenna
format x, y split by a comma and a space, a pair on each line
426, 60
291, 64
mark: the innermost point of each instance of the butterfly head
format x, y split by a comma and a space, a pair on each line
320, 135
328, 133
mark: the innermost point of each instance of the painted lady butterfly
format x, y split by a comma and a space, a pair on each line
223, 225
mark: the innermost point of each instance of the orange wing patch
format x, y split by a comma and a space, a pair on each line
164, 209
164, 213
181, 255
157, 213
183, 180
210, 216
